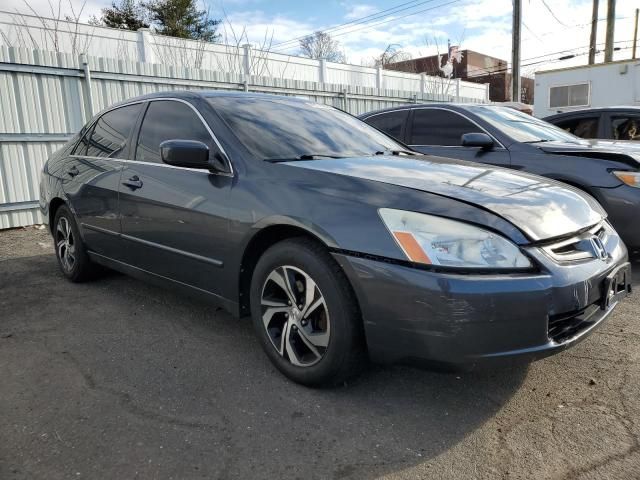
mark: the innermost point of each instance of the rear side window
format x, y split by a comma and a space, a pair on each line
109, 136
169, 120
391, 123
585, 127
440, 128
626, 127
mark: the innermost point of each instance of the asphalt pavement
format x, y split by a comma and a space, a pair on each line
116, 379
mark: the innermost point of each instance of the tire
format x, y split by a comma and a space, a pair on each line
330, 316
70, 249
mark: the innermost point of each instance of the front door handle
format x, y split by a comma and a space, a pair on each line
73, 171
133, 183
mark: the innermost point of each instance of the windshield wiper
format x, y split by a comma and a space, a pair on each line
306, 156
395, 152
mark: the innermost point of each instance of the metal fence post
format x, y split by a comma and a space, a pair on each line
322, 71
379, 79
246, 62
145, 49
423, 84
88, 94
457, 89
345, 100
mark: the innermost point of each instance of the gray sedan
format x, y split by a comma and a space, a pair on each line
341, 245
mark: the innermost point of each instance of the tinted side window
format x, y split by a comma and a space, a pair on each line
168, 120
109, 136
390, 123
585, 127
439, 127
83, 144
626, 127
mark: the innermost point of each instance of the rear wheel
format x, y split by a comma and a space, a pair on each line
70, 249
305, 314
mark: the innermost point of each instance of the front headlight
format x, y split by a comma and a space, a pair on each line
432, 240
630, 178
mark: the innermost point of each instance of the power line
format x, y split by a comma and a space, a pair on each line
553, 14
366, 18
370, 25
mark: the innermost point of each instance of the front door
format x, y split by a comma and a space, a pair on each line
174, 219
437, 131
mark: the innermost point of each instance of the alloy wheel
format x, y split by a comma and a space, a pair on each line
65, 244
295, 316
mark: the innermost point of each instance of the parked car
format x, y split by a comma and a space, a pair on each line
339, 244
507, 138
612, 123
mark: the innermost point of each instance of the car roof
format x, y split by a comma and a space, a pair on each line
449, 106
202, 94
580, 111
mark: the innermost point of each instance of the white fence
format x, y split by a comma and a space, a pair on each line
27, 31
46, 96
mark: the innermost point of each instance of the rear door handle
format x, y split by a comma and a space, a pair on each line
133, 183
73, 171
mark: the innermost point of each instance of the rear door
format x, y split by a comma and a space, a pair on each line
584, 126
438, 131
174, 219
623, 125
392, 123
93, 177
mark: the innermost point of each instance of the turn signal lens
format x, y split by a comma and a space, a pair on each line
411, 247
630, 178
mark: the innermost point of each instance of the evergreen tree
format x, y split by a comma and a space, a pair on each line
126, 15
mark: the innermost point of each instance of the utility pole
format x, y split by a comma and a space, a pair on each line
594, 33
635, 35
515, 51
611, 21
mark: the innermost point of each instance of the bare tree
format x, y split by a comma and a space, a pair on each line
53, 30
260, 61
320, 45
392, 54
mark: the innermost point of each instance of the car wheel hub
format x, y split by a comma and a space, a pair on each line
295, 316
65, 244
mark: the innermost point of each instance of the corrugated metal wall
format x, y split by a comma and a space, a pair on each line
44, 99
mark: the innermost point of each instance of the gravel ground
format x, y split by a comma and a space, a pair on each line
118, 379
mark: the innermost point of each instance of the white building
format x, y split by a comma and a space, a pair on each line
600, 85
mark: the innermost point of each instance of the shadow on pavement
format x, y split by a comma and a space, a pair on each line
117, 379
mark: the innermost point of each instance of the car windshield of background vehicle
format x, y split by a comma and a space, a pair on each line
284, 130
522, 127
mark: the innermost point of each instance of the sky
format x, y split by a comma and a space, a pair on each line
551, 28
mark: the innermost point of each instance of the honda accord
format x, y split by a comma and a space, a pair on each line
338, 242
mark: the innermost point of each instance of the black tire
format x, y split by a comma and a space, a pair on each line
345, 354
81, 269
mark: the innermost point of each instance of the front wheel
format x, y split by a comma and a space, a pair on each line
305, 314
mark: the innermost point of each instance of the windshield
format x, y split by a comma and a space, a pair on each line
522, 127
274, 129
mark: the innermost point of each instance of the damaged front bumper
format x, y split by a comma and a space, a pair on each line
433, 317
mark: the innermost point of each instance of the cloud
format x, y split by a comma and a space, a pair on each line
358, 11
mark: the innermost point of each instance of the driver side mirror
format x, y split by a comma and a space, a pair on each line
192, 154
482, 140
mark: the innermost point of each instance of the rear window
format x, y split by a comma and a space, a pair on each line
110, 134
391, 123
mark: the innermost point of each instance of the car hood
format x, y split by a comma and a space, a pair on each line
618, 147
539, 207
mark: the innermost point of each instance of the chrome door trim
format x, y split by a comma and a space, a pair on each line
171, 99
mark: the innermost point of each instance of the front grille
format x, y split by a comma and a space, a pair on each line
565, 326
578, 247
